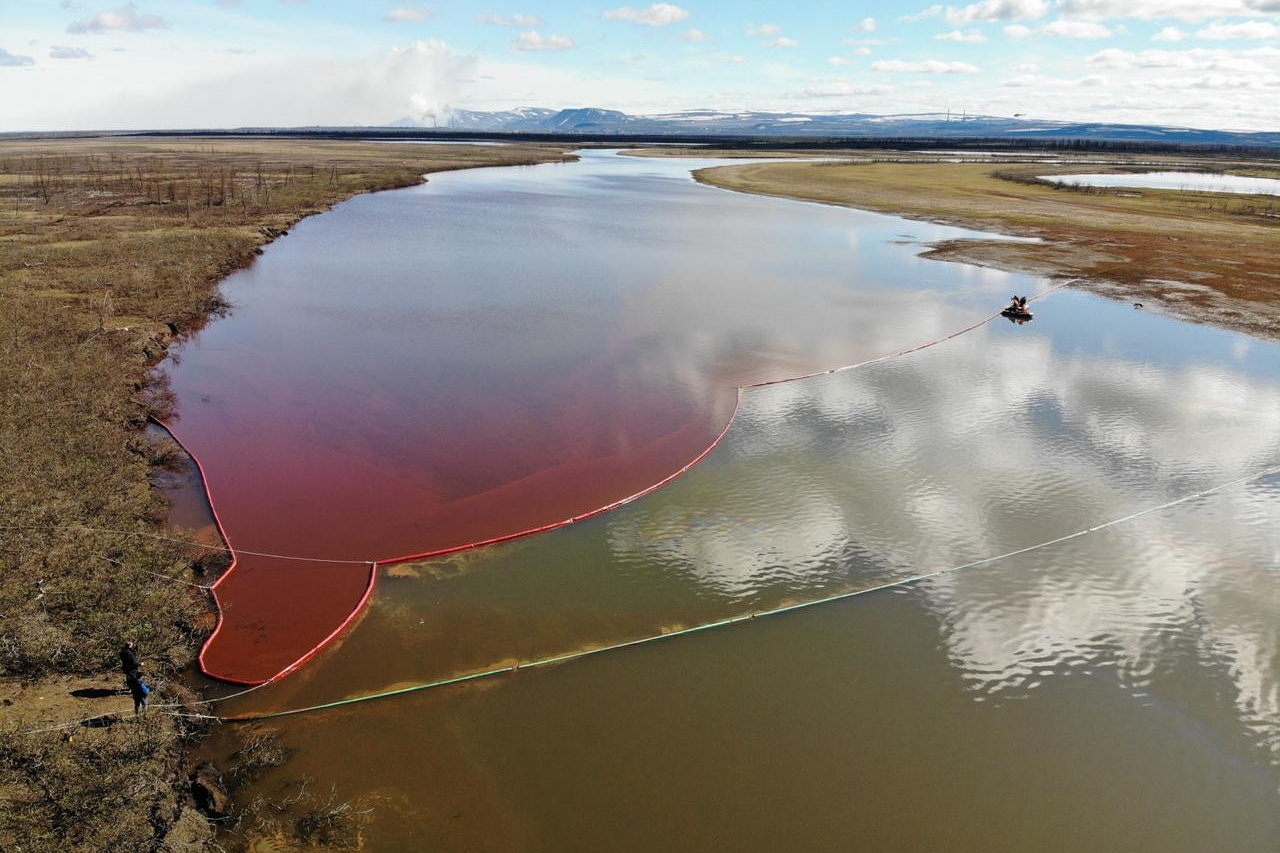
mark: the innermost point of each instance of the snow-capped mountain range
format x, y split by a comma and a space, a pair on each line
594, 121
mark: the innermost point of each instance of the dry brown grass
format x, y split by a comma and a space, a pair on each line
108, 250
1204, 256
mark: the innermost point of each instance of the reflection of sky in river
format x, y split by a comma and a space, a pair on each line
1003, 440
1156, 640
999, 440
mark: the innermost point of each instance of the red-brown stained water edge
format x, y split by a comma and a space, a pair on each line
493, 352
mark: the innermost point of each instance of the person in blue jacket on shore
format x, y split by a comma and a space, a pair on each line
139, 690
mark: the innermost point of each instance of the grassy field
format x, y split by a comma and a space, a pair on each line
109, 250
1201, 256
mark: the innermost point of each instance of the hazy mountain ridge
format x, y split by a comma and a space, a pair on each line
754, 123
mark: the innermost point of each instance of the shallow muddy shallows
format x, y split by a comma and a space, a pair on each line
500, 349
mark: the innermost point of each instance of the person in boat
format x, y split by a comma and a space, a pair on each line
1017, 306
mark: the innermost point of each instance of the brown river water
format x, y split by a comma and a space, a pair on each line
1119, 691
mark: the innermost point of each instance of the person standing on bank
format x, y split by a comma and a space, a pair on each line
132, 667
129, 663
139, 690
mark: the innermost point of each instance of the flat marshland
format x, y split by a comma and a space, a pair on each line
1204, 257
109, 250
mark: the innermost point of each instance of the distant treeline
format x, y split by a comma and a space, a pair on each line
728, 141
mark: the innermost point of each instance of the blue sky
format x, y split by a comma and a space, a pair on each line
71, 64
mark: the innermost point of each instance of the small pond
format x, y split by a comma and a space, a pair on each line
1188, 181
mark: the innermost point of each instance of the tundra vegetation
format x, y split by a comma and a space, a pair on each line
110, 249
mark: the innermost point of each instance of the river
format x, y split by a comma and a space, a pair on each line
503, 347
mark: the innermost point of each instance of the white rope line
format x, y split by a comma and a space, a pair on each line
1275, 469
164, 538
736, 620
984, 561
161, 707
157, 574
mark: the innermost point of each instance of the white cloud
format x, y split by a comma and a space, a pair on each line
1076, 30
997, 10
837, 60
126, 19
1027, 81
1211, 82
657, 15
764, 30
534, 41
1169, 34
926, 66
13, 60
211, 91
969, 36
1198, 59
862, 51
871, 42
1114, 57
1061, 29
405, 15
59, 51
1183, 10
923, 15
1220, 31
1026, 68
695, 35
516, 22
866, 25
781, 42
838, 89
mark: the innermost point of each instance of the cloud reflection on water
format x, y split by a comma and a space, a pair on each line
995, 443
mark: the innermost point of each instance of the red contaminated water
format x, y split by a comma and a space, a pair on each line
362, 507
492, 353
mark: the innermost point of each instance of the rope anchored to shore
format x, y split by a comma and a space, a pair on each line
578, 655
748, 617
